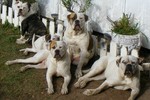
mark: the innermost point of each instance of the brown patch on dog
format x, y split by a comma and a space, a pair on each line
52, 44
90, 43
72, 17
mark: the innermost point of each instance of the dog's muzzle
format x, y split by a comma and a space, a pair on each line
20, 12
57, 54
77, 25
129, 71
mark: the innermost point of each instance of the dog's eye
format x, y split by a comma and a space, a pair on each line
60, 47
133, 62
124, 62
81, 18
18, 6
53, 47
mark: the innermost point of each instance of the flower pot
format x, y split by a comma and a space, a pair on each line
129, 41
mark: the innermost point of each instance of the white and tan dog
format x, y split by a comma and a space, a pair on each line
41, 43
79, 40
57, 60
119, 72
58, 63
40, 47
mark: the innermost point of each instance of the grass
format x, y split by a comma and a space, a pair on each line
13, 84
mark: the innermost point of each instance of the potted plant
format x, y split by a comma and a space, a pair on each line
68, 4
83, 7
126, 32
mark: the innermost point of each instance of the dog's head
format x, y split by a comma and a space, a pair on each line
55, 37
16, 4
58, 49
128, 65
77, 21
17, 1
24, 9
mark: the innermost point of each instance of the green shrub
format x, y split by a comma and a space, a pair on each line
125, 25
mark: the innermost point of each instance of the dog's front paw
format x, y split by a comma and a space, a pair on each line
130, 98
22, 69
80, 83
89, 92
64, 91
25, 52
77, 84
22, 50
50, 91
8, 63
78, 73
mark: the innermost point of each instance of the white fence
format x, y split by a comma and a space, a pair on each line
11, 16
100, 9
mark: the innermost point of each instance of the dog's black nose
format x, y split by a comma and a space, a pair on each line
129, 70
57, 51
77, 22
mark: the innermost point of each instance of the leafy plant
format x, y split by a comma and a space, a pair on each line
68, 4
84, 7
124, 25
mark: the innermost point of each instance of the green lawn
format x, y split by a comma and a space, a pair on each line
15, 85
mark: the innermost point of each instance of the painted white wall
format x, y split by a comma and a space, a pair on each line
48, 7
100, 9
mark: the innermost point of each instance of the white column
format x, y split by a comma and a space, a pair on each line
113, 49
10, 15
3, 15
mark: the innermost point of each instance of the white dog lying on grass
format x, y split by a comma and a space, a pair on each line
40, 47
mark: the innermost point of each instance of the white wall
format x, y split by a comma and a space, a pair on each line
48, 7
100, 9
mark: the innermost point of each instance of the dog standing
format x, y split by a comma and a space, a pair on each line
119, 72
79, 40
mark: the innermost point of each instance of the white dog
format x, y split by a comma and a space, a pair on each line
41, 43
79, 40
41, 48
119, 72
58, 63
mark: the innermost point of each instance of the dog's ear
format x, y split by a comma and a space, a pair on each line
29, 5
72, 16
86, 17
118, 61
47, 37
